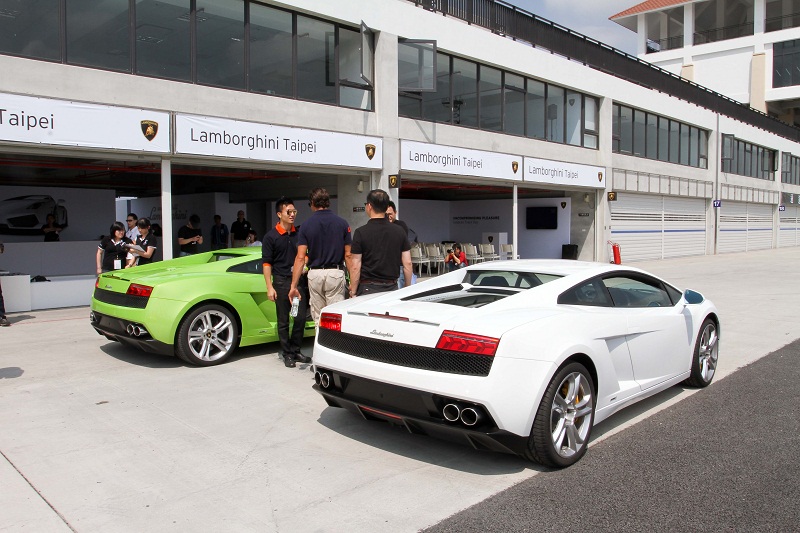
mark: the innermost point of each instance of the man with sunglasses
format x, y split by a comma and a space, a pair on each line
278, 252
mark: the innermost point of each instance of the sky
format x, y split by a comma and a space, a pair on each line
589, 17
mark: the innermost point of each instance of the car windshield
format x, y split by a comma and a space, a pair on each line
481, 287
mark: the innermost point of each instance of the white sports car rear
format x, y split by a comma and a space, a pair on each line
515, 356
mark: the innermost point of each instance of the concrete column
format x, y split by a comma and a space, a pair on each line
350, 200
641, 37
602, 213
688, 33
759, 19
515, 220
758, 83
167, 240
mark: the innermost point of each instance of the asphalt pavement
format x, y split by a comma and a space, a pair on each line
95, 436
724, 459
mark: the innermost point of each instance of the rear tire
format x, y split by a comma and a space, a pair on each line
207, 336
706, 354
564, 420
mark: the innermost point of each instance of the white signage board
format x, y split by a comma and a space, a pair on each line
437, 159
265, 142
550, 172
30, 119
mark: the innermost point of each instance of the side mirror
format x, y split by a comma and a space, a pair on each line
692, 297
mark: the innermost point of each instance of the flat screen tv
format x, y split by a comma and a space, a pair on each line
541, 217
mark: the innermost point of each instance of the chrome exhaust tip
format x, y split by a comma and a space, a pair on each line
325, 380
129, 329
451, 412
470, 416
93, 317
317, 377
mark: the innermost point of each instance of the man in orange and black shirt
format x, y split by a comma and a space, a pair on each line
278, 252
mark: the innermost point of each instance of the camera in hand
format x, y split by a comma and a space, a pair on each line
449, 250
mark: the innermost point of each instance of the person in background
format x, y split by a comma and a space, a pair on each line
379, 249
325, 238
252, 238
455, 258
112, 252
3, 318
190, 237
278, 257
239, 230
391, 214
133, 230
146, 241
219, 234
51, 230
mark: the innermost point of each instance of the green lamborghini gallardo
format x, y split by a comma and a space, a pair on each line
198, 307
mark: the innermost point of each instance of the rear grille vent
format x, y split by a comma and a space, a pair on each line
122, 300
406, 355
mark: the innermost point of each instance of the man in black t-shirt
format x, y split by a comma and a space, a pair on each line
278, 252
190, 237
379, 249
239, 230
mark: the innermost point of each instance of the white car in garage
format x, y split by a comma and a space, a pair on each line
515, 356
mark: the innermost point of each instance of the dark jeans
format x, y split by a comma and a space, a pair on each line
290, 344
372, 288
2, 303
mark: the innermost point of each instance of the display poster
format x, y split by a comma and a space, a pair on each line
438, 159
264, 142
29, 119
548, 172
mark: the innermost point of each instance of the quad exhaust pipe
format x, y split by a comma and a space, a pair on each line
323, 379
469, 416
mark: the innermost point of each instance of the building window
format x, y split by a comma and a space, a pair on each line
642, 134
782, 14
479, 96
234, 44
98, 34
719, 20
790, 169
747, 159
786, 64
271, 48
31, 28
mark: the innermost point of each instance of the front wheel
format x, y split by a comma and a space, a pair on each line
706, 353
563, 423
207, 336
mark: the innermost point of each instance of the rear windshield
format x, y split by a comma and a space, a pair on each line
481, 287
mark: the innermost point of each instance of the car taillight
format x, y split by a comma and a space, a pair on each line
97, 282
466, 343
331, 321
139, 290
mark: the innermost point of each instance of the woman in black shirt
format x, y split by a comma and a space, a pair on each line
112, 250
146, 241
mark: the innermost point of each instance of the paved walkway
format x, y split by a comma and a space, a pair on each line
98, 437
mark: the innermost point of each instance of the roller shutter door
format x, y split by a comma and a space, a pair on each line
788, 235
655, 227
744, 227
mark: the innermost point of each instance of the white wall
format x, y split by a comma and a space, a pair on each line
466, 221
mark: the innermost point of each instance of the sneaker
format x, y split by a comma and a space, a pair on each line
300, 357
288, 361
5, 323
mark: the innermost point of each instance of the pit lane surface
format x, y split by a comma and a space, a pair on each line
725, 459
99, 437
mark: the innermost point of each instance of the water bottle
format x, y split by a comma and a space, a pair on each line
295, 305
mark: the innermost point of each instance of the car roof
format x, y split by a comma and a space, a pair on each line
560, 267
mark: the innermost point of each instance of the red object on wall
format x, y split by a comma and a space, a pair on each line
616, 253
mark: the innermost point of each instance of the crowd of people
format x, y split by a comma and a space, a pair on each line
306, 267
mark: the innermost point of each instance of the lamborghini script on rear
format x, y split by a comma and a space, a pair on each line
515, 356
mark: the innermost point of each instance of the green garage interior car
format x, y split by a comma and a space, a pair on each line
198, 307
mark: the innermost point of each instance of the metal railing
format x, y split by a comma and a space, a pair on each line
724, 33
520, 25
782, 22
667, 43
